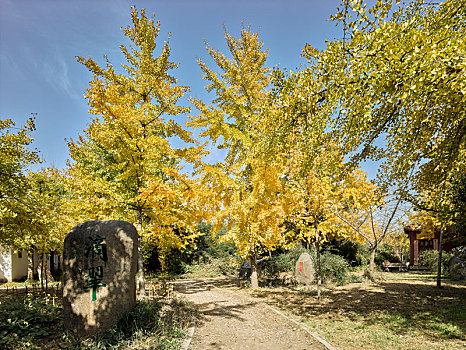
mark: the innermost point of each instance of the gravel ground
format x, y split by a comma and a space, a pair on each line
229, 320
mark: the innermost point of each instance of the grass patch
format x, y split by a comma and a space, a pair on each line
392, 314
28, 321
412, 276
32, 322
214, 267
26, 283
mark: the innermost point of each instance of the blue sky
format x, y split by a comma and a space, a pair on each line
39, 40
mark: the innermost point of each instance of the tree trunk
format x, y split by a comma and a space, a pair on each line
52, 263
141, 285
319, 271
372, 263
254, 277
41, 274
30, 266
46, 267
439, 266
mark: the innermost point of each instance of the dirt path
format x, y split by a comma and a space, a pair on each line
231, 321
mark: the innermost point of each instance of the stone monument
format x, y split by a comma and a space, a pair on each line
305, 270
99, 275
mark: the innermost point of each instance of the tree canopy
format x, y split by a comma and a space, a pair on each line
125, 166
16, 157
246, 187
397, 78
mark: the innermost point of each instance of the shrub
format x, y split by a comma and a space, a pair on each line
211, 268
220, 250
384, 253
354, 253
204, 249
152, 317
429, 258
334, 268
354, 278
284, 262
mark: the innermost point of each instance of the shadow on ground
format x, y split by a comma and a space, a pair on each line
226, 307
198, 285
404, 306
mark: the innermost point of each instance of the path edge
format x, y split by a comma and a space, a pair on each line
190, 331
189, 336
304, 328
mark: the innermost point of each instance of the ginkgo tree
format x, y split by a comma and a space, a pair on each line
16, 157
332, 197
309, 210
247, 189
443, 209
359, 204
313, 162
49, 217
124, 166
398, 76
397, 79
32, 215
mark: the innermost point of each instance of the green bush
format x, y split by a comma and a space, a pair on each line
219, 250
214, 267
429, 258
354, 278
203, 250
384, 253
334, 268
149, 318
354, 253
285, 262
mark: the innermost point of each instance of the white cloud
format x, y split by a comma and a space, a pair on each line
56, 73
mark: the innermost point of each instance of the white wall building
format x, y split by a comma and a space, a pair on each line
13, 264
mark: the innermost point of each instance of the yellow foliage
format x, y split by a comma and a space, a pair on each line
246, 189
125, 166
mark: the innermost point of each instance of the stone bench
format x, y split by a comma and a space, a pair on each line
389, 267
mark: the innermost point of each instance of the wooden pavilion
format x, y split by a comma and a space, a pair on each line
421, 239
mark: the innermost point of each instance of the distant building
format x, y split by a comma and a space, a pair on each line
14, 264
421, 239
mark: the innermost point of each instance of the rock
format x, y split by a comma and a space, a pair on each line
459, 252
99, 275
289, 280
457, 268
305, 271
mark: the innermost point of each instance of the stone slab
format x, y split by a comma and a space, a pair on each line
99, 275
